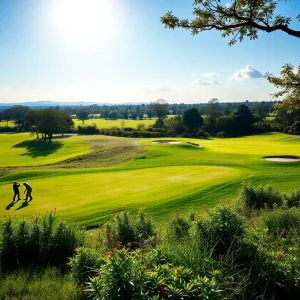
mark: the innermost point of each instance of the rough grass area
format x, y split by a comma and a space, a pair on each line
48, 284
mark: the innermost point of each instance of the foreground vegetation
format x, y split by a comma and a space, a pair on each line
248, 250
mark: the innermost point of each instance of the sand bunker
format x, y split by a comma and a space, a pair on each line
292, 138
165, 142
193, 144
283, 158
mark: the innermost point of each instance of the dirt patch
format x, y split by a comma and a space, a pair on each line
165, 142
283, 158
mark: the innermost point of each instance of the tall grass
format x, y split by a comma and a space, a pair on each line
41, 241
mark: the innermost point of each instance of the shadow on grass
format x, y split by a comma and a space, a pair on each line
23, 205
11, 204
58, 137
37, 148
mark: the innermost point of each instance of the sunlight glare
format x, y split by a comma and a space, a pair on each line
83, 21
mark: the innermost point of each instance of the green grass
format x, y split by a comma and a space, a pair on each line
4, 124
162, 177
102, 123
48, 284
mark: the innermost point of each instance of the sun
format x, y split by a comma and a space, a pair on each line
83, 21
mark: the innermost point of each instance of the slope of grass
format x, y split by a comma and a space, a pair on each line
163, 177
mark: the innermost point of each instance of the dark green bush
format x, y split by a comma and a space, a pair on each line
179, 226
88, 129
221, 230
40, 241
129, 230
259, 197
292, 199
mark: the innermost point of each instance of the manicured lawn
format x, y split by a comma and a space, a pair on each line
164, 178
102, 123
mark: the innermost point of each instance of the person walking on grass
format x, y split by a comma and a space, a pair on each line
28, 190
16, 186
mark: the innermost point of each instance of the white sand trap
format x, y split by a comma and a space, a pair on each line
165, 142
193, 144
283, 158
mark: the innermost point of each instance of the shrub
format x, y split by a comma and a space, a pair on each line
41, 241
222, 230
292, 199
282, 221
202, 134
259, 197
84, 264
129, 230
179, 226
121, 277
88, 129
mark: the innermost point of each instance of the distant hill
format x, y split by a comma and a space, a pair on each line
39, 104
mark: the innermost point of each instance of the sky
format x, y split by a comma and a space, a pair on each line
118, 51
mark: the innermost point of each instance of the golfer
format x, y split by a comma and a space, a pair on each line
28, 190
16, 186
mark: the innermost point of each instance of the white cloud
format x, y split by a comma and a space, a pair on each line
248, 73
208, 79
163, 89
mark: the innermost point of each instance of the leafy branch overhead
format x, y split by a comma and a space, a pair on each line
239, 18
245, 18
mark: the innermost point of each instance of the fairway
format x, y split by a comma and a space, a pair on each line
162, 177
103, 124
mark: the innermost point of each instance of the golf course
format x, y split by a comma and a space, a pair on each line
88, 179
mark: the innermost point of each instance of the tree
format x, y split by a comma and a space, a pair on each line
160, 110
52, 121
213, 111
245, 18
6, 116
175, 125
192, 118
289, 83
82, 114
244, 119
18, 113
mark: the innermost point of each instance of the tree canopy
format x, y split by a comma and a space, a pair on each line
192, 118
245, 18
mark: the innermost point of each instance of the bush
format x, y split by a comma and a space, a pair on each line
282, 221
202, 134
88, 129
179, 227
292, 199
84, 264
38, 242
222, 230
259, 197
128, 230
121, 277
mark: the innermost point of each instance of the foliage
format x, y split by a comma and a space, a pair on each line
40, 241
281, 221
221, 230
84, 264
128, 230
179, 226
292, 199
88, 129
259, 197
240, 18
192, 118
289, 85
121, 277
160, 110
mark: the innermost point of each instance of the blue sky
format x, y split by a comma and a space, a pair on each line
118, 51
